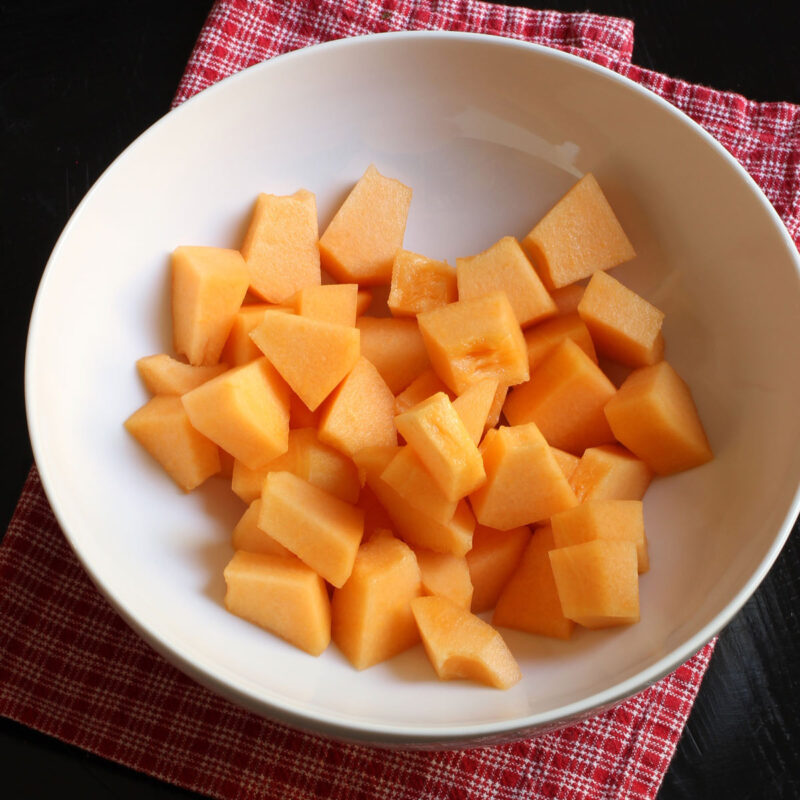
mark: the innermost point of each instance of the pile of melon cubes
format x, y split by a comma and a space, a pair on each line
385, 504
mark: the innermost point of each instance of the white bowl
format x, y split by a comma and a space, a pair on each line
489, 133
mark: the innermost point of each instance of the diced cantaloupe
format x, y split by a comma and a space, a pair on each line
282, 595
208, 286
610, 472
603, 519
567, 462
493, 558
247, 483
567, 297
320, 529
280, 246
300, 415
375, 516
504, 267
474, 406
226, 461
360, 412
311, 356
654, 416
163, 374
439, 437
445, 575
248, 536
334, 303
565, 398
529, 601
577, 237
419, 284
524, 483
396, 349
470, 340
624, 326
425, 385
360, 243
239, 347
372, 619
245, 411
461, 645
162, 427
497, 405
363, 301
542, 338
598, 582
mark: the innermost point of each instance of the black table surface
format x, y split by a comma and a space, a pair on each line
80, 79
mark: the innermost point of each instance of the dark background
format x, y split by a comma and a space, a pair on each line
79, 80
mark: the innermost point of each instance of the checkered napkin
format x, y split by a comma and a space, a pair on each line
71, 668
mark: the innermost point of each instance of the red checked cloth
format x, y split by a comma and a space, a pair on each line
71, 668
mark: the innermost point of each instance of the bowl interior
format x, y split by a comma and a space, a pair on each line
489, 133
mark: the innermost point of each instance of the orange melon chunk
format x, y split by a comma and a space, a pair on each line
162, 427
461, 645
208, 286
475, 405
598, 582
541, 339
226, 461
603, 519
280, 246
565, 398
363, 301
396, 349
654, 416
493, 558
311, 356
524, 483
360, 243
610, 472
300, 415
359, 413
162, 374
248, 536
577, 237
245, 411
567, 462
624, 326
320, 529
439, 437
239, 347
282, 595
372, 619
497, 405
247, 483
375, 516
504, 267
336, 303
419, 284
471, 340
567, 298
445, 575
529, 602
425, 385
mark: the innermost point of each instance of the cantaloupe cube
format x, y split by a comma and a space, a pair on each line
375, 516
226, 461
577, 237
567, 297
363, 301
334, 303
497, 405
504, 267
311, 356
419, 284
598, 582
529, 602
491, 562
445, 575
542, 338
624, 326
524, 483
567, 462
439, 437
247, 483
320, 529
610, 472
396, 349
300, 415
461, 645
239, 347
654, 416
425, 385
208, 286
162, 374
360, 412
162, 427
282, 595
475, 405
407, 475
245, 411
470, 340
280, 246
360, 243
603, 519
248, 536
565, 398
372, 619
416, 528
